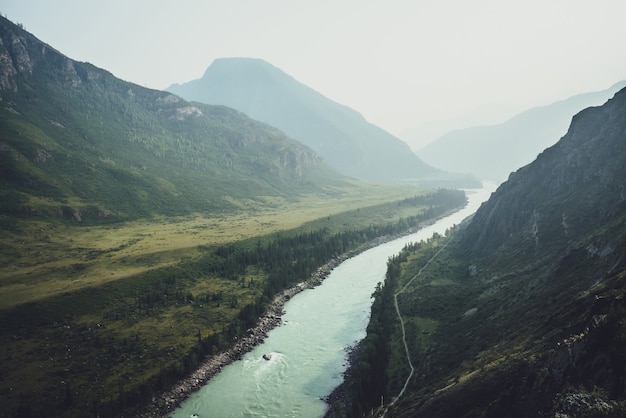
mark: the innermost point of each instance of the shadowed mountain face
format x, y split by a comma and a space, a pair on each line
492, 152
572, 188
522, 311
337, 133
79, 143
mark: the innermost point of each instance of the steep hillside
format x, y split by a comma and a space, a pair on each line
77, 142
521, 312
337, 133
492, 152
571, 189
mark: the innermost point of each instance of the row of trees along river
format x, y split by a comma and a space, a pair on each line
307, 353
143, 368
287, 258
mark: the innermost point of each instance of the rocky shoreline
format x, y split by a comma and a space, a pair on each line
340, 399
167, 401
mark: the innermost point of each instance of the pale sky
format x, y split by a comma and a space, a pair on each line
400, 63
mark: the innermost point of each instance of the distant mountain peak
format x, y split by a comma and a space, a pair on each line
230, 63
116, 148
339, 134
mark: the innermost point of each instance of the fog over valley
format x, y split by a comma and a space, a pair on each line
312, 209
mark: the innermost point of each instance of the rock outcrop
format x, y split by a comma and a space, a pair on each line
571, 188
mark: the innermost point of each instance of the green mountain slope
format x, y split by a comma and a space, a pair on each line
337, 133
99, 320
521, 312
77, 142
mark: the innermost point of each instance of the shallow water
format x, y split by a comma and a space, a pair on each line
309, 350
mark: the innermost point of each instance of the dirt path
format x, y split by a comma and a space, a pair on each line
406, 346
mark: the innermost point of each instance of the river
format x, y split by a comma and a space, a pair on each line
309, 350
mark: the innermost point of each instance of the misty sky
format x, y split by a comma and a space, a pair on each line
398, 62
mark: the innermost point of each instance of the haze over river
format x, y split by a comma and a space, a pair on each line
308, 351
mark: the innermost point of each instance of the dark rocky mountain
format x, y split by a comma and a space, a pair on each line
546, 259
339, 134
570, 190
494, 151
77, 142
520, 312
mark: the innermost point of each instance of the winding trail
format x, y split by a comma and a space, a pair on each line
406, 346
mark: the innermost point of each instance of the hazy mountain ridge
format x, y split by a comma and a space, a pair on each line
339, 134
93, 144
494, 151
484, 115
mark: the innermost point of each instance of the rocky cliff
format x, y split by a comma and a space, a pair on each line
541, 266
520, 312
571, 188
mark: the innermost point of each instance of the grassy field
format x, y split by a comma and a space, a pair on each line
40, 259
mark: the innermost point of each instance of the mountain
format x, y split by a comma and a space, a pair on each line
337, 133
78, 143
521, 311
97, 319
488, 114
570, 190
492, 152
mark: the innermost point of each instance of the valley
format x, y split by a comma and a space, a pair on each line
142, 233
106, 317
43, 258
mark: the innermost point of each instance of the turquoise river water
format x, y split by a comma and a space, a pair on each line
309, 350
